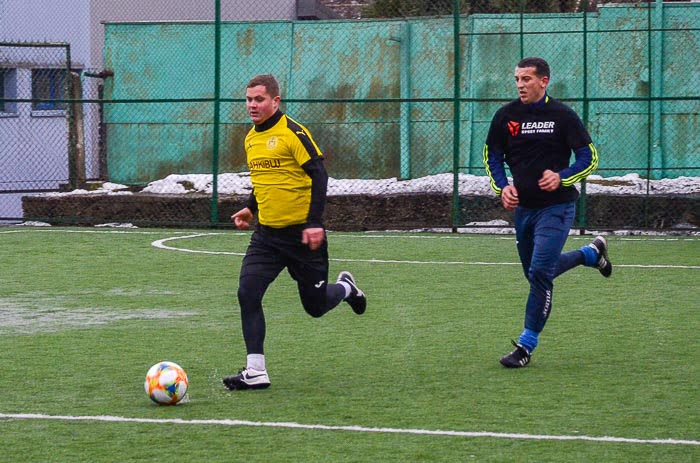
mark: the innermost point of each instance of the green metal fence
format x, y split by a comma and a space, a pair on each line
399, 103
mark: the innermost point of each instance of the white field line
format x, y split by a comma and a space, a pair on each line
365, 235
322, 427
100, 232
160, 244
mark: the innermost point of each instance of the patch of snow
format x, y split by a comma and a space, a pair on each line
113, 186
634, 184
238, 183
33, 223
116, 225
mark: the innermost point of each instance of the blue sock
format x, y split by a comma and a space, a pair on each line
528, 339
590, 256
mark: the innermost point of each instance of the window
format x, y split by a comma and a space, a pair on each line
8, 89
2, 90
48, 84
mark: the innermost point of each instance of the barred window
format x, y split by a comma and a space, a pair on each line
2, 90
48, 84
8, 89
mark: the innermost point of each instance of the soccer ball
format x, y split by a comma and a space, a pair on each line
166, 383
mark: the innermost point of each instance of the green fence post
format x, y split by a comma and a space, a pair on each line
650, 140
522, 29
455, 117
217, 108
68, 92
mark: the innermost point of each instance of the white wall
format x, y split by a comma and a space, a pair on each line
33, 144
33, 152
49, 20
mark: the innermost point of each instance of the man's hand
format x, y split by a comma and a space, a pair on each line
242, 218
313, 237
549, 181
509, 197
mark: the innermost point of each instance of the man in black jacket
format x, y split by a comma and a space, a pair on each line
535, 136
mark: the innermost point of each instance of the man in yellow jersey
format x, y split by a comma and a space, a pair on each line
289, 195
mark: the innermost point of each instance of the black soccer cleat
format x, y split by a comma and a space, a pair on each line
247, 378
356, 299
603, 265
516, 359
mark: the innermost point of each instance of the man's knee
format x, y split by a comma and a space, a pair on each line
242, 294
315, 311
314, 303
540, 276
315, 307
250, 291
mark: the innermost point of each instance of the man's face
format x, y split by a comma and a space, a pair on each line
530, 87
261, 106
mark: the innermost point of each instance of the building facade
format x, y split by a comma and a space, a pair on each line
35, 133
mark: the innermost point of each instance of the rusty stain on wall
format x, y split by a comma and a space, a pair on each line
246, 42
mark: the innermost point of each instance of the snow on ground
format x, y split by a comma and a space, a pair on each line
239, 183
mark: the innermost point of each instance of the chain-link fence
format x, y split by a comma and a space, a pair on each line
398, 95
33, 125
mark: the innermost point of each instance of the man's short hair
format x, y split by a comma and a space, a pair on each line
540, 65
268, 81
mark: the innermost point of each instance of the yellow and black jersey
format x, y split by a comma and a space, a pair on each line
289, 180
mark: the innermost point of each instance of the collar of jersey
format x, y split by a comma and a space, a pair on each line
543, 101
274, 119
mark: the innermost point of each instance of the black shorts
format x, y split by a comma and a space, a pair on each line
273, 249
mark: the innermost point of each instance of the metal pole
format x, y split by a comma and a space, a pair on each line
649, 117
455, 118
70, 116
522, 28
217, 109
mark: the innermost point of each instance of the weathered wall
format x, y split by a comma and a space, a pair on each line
402, 59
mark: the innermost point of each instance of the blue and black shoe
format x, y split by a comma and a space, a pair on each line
516, 359
603, 264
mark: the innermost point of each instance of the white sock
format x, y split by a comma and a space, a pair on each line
348, 289
256, 362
